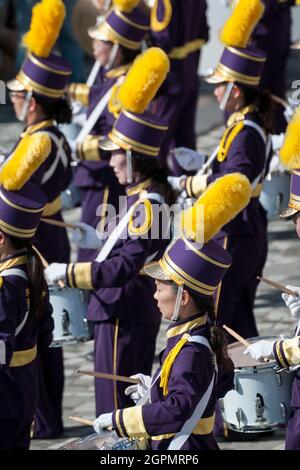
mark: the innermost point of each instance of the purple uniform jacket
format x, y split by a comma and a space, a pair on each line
119, 288
53, 176
189, 379
277, 17
18, 364
246, 155
187, 25
95, 171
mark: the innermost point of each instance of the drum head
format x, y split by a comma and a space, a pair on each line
92, 442
236, 352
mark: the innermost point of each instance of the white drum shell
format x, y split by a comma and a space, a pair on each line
260, 400
69, 314
275, 195
242, 410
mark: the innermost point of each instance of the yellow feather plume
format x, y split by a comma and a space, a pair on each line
46, 22
126, 5
143, 80
290, 151
219, 204
240, 25
31, 152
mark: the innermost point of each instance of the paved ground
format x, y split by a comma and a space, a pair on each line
272, 316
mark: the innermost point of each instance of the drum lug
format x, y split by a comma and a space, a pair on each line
240, 418
284, 412
259, 408
278, 379
65, 323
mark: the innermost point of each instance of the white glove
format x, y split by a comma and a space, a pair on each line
260, 350
175, 182
86, 237
56, 272
137, 391
292, 302
102, 422
189, 159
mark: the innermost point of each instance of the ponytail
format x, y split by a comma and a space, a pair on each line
58, 109
35, 272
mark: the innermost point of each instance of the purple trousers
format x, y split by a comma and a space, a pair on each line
180, 112
292, 438
238, 288
121, 348
48, 419
15, 434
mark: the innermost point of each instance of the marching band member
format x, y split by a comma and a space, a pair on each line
126, 319
287, 352
244, 148
26, 322
116, 42
277, 16
180, 29
195, 369
38, 98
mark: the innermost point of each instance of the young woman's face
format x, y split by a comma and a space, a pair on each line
232, 101
118, 162
101, 51
17, 99
166, 299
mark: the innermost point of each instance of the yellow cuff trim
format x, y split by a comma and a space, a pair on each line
52, 207
133, 422
83, 275
89, 148
22, 358
79, 92
203, 427
291, 349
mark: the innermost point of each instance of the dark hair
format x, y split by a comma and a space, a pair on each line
128, 55
150, 167
57, 109
35, 275
264, 104
218, 339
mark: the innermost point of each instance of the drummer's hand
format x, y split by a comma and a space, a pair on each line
102, 422
292, 302
56, 272
261, 350
86, 237
177, 183
137, 391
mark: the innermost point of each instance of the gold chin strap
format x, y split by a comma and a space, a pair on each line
177, 303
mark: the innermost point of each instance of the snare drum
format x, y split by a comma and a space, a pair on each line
260, 401
107, 440
275, 195
69, 314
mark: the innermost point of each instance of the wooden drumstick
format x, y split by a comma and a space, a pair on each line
46, 264
238, 337
102, 375
87, 422
77, 419
278, 286
59, 223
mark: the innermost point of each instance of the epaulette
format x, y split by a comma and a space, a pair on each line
141, 218
229, 135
